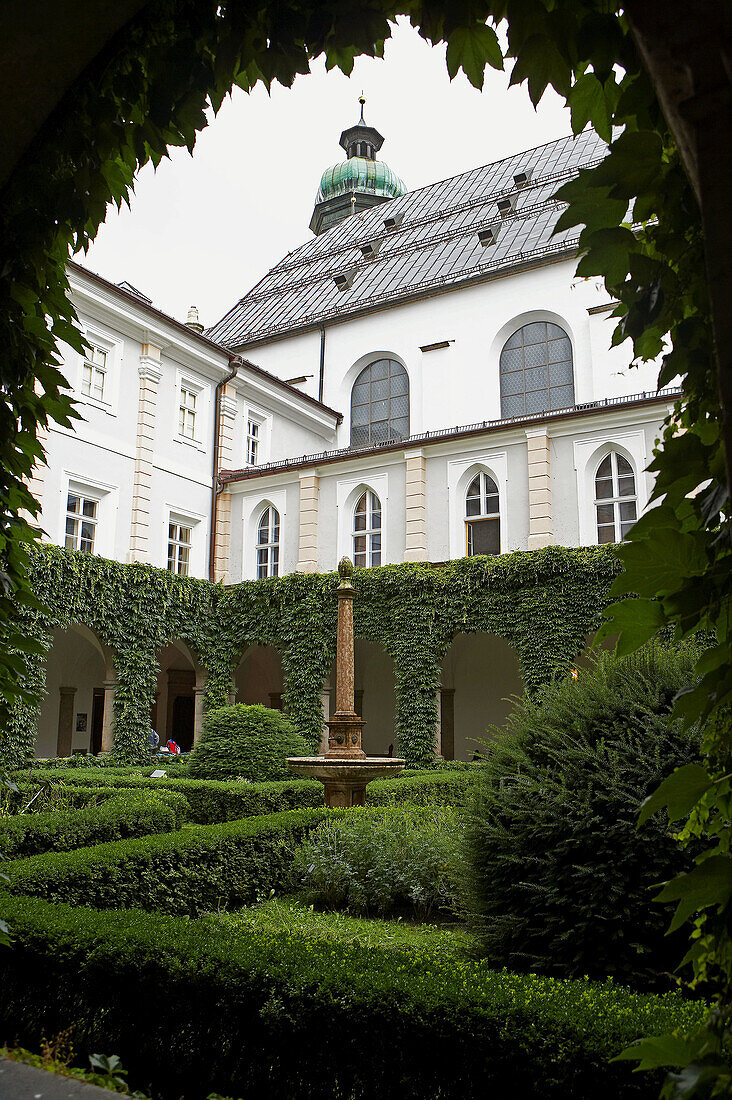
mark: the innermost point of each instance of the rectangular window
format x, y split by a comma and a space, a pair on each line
81, 523
187, 412
483, 537
253, 440
179, 548
93, 373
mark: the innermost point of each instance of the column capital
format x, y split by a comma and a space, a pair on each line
229, 405
67, 690
149, 368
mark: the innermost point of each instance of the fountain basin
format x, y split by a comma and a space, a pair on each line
345, 780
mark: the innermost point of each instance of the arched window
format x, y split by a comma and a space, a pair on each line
380, 403
268, 543
536, 370
482, 520
367, 530
615, 498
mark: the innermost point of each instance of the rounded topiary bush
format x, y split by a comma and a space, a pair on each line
248, 741
560, 879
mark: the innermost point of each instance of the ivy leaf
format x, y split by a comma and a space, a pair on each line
678, 794
588, 103
633, 165
635, 620
540, 63
472, 48
710, 883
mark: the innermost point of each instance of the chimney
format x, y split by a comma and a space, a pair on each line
193, 322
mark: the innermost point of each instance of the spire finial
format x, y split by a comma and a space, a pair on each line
362, 100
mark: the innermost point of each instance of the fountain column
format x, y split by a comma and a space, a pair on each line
345, 769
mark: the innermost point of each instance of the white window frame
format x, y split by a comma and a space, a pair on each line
111, 349
188, 412
271, 567
198, 526
105, 520
589, 452
181, 548
483, 515
80, 519
348, 492
188, 382
253, 440
368, 532
96, 370
616, 499
460, 473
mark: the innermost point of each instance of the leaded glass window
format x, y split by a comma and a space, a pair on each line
536, 370
616, 502
367, 530
482, 519
380, 404
268, 543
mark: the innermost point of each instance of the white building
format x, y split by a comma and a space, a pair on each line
424, 379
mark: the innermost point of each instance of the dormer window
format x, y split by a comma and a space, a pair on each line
344, 279
489, 235
506, 205
522, 178
394, 220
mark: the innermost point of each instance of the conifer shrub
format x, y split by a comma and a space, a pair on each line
560, 879
248, 742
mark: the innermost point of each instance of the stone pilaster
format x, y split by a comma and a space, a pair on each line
37, 481
222, 535
150, 373
307, 561
541, 529
65, 720
199, 696
415, 544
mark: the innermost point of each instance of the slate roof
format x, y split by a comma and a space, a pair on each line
434, 246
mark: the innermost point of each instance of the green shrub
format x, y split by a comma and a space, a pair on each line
197, 869
194, 1009
128, 815
210, 801
248, 741
560, 877
378, 861
433, 788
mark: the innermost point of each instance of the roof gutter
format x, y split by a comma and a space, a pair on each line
216, 487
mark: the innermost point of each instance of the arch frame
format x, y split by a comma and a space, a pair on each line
589, 452
252, 510
460, 473
354, 373
348, 493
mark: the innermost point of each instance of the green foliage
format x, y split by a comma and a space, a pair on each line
248, 742
128, 815
545, 603
378, 861
559, 873
210, 802
249, 1001
433, 788
207, 867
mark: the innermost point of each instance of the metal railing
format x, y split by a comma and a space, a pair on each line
668, 393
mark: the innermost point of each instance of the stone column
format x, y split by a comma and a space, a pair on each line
65, 720
325, 703
108, 719
541, 531
415, 544
344, 738
150, 373
447, 723
307, 559
222, 536
199, 695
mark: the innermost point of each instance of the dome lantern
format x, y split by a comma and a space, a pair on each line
357, 183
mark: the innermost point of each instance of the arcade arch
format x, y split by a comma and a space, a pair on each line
258, 677
480, 674
77, 710
177, 712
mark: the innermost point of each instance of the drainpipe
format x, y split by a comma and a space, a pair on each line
234, 363
322, 363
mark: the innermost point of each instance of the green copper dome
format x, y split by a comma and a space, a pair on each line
360, 174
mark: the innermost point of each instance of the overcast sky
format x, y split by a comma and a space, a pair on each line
204, 229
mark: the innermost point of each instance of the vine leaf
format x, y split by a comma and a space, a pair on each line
678, 794
472, 48
636, 621
540, 63
676, 557
710, 883
588, 104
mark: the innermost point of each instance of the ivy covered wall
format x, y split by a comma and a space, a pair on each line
543, 602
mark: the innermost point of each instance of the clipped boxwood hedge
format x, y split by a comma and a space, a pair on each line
210, 801
246, 741
251, 1013
192, 871
431, 788
130, 815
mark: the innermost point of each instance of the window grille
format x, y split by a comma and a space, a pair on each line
616, 502
380, 403
536, 370
367, 531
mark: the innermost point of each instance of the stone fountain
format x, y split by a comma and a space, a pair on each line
345, 769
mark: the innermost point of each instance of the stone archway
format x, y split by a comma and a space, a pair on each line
374, 696
480, 673
258, 677
76, 714
177, 713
